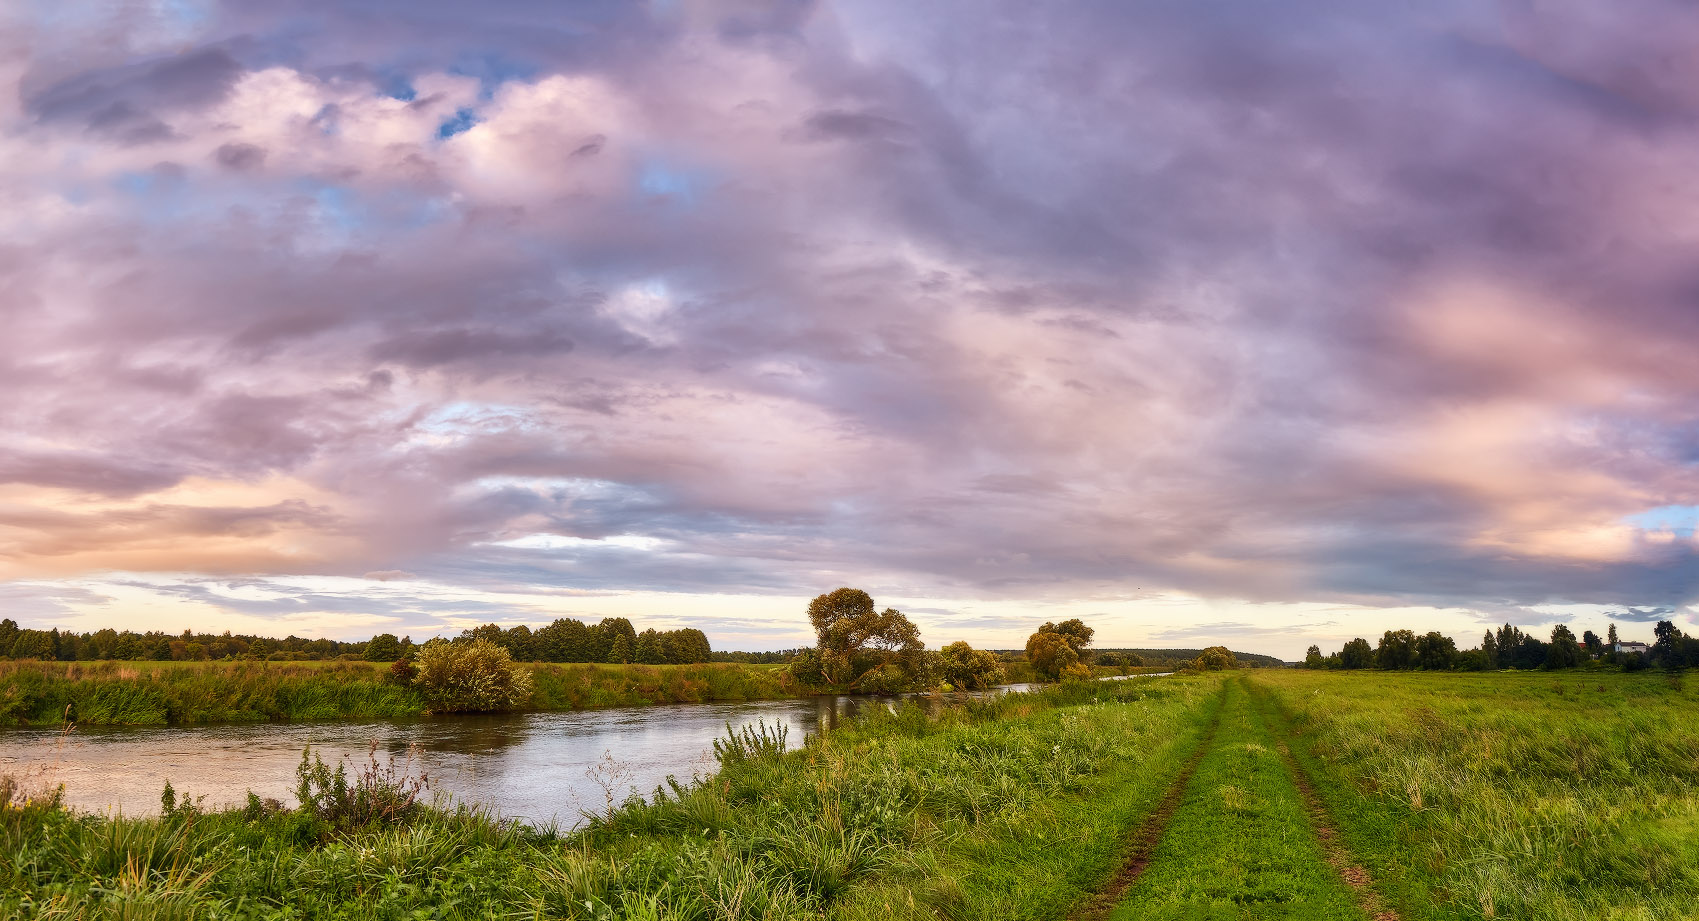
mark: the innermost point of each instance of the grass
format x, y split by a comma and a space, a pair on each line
1012, 808
1545, 796
1241, 844
1542, 796
183, 693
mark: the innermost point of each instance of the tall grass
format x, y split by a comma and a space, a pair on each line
1545, 796
1001, 809
130, 694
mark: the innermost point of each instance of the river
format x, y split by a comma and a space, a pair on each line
537, 767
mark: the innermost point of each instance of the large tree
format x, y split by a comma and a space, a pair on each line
1564, 651
1049, 653
855, 638
1357, 654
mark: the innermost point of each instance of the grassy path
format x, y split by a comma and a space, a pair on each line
1145, 838
1243, 841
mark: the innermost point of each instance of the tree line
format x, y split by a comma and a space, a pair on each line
1509, 647
613, 640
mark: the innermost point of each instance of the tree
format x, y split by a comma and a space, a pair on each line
1077, 634
1594, 646
1357, 654
1397, 650
33, 644
622, 650
1049, 654
1073, 635
965, 667
1668, 645
650, 651
687, 646
1313, 658
855, 639
1214, 658
383, 648
1563, 652
1489, 651
470, 677
1435, 652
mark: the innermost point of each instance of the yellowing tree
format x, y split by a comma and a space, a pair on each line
1215, 658
856, 639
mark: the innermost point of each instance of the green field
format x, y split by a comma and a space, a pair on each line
185, 693
1258, 794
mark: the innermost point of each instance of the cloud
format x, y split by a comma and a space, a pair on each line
1374, 306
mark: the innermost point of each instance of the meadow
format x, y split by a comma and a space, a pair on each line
1550, 796
1267, 794
187, 693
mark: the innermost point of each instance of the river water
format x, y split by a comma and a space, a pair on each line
538, 767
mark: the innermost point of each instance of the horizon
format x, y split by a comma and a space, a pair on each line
1206, 324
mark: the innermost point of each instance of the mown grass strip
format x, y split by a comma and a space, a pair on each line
1350, 869
1241, 844
1148, 834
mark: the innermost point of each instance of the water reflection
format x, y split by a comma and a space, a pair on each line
539, 767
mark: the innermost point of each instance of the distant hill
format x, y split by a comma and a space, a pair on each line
1177, 656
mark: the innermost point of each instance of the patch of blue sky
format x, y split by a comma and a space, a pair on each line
492, 69
459, 123
348, 211
1680, 519
160, 197
398, 86
185, 14
339, 207
678, 185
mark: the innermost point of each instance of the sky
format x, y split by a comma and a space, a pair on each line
1206, 322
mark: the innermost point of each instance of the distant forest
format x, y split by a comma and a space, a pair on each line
1153, 658
613, 640
1509, 647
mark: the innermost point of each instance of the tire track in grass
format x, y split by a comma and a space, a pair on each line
1327, 831
1143, 842
1241, 844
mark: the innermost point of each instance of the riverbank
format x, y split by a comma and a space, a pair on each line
1011, 808
192, 693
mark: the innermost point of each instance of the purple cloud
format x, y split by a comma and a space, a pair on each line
1324, 303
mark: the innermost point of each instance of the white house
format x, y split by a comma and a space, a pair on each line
1640, 648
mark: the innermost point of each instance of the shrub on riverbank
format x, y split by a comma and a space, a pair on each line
470, 677
183, 693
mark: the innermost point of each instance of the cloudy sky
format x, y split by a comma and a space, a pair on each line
1253, 323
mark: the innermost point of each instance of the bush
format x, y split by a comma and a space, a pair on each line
380, 794
1075, 672
807, 668
470, 677
966, 667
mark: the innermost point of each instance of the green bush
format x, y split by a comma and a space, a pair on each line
380, 794
470, 677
